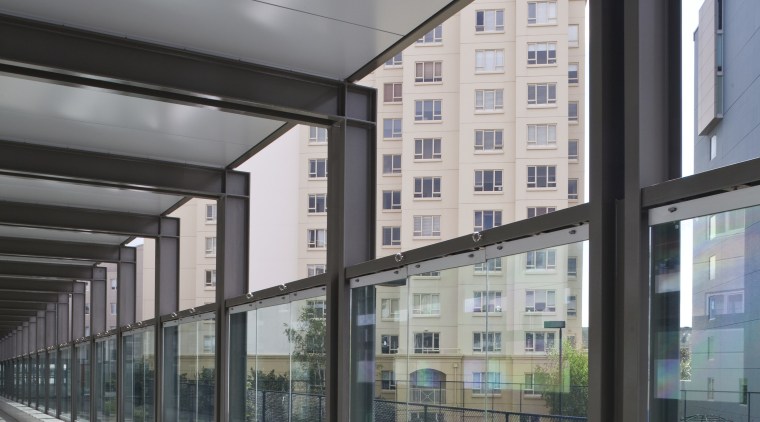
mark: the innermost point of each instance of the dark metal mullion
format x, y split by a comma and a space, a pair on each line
35, 269
166, 301
320, 280
64, 250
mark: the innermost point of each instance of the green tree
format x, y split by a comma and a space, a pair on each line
307, 336
575, 391
685, 363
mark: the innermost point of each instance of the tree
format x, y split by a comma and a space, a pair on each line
308, 339
685, 363
575, 368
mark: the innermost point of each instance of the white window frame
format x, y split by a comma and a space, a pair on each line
315, 269
489, 20
573, 34
426, 304
427, 187
210, 213
210, 245
547, 180
423, 107
427, 149
479, 226
572, 189
209, 343
572, 306
395, 89
489, 140
394, 197
492, 265
541, 260
394, 233
432, 221
543, 134
536, 297
713, 312
573, 73
392, 126
390, 308
572, 269
486, 383
389, 338
314, 201
493, 175
532, 381
435, 340
317, 135
317, 168
316, 238
435, 69
209, 279
548, 48
551, 94
395, 61
489, 61
489, 100
387, 380
548, 338
434, 37
570, 155
543, 13
487, 301
712, 267
536, 211
573, 112
395, 163
113, 309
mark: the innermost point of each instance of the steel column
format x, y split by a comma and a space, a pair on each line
33, 334
126, 293
41, 326
63, 335
98, 306
77, 311
166, 298
50, 325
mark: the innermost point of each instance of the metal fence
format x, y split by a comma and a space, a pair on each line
719, 406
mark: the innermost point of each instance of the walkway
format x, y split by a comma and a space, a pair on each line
11, 411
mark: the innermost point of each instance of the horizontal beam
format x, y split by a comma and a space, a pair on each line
35, 285
24, 298
93, 168
38, 270
11, 305
20, 312
66, 250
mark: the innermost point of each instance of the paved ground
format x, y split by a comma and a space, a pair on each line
11, 411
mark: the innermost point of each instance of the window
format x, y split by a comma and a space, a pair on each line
318, 310
208, 344
486, 383
743, 392
543, 259
113, 284
542, 177
427, 149
389, 308
486, 219
572, 73
539, 341
429, 274
488, 181
211, 245
314, 269
710, 388
542, 12
492, 265
428, 71
540, 300
391, 199
210, 280
210, 212
539, 94
388, 380
710, 347
489, 99
427, 110
392, 128
392, 164
489, 61
542, 53
427, 187
427, 225
392, 92
572, 35
535, 211
426, 304
572, 189
487, 301
543, 134
427, 343
486, 342
87, 309
711, 268
113, 308
317, 203
317, 135
534, 384
572, 266
572, 111
725, 303
316, 238
395, 61
433, 37
572, 149
392, 236
489, 20
489, 140
318, 168
725, 222
388, 344
713, 147
572, 306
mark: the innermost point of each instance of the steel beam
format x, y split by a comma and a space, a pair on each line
66, 250
34, 285
12, 305
24, 298
34, 269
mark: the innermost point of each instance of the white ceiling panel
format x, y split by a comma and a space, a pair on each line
61, 235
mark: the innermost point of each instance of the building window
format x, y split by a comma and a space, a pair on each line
486, 383
427, 149
427, 343
392, 128
536, 211
533, 384
489, 20
427, 187
572, 111
542, 259
388, 344
572, 306
316, 238
391, 199
710, 347
486, 301
318, 310
725, 303
426, 304
492, 265
428, 72
743, 392
317, 135
572, 189
435, 36
317, 203
542, 53
711, 268
572, 35
113, 284
539, 341
113, 308
395, 61
488, 181
210, 212
543, 134
542, 12
486, 219
427, 225
489, 61
209, 343
388, 380
427, 110
392, 164
392, 236
486, 342
542, 94
210, 278
540, 300
392, 92
725, 222
572, 149
542, 176
87, 309
315, 269
211, 245
713, 147
710, 388
572, 73
429, 274
489, 99
317, 168
489, 140
572, 266
390, 308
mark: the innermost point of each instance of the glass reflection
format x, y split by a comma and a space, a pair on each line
84, 394
52, 373
139, 372
105, 380
65, 364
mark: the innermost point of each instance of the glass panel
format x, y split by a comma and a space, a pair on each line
65, 364
704, 320
105, 380
306, 334
84, 393
139, 373
52, 380
273, 363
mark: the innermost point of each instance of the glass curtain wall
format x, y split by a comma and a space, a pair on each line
105, 379
52, 375
65, 382
37, 362
139, 375
84, 395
